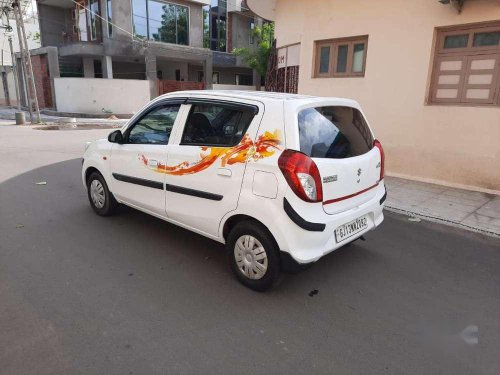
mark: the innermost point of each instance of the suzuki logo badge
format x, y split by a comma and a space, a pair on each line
359, 172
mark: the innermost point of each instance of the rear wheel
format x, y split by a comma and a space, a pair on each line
253, 255
100, 198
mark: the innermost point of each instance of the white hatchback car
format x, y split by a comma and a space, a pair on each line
280, 179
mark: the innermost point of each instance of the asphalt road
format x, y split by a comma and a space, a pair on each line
132, 294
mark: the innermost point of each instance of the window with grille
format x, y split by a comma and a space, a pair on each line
466, 66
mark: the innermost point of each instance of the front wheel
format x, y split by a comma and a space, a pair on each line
253, 255
101, 199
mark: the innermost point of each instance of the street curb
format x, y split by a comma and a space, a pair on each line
440, 220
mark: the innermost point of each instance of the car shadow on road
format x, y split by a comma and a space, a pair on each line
137, 293
51, 203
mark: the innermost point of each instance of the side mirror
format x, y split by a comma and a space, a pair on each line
115, 137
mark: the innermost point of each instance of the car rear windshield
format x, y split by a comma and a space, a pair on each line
334, 132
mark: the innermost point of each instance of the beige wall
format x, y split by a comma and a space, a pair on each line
449, 144
91, 95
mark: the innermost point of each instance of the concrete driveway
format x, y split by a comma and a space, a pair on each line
131, 294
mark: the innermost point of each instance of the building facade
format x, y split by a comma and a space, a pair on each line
427, 74
178, 44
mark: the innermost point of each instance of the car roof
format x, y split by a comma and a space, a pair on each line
264, 96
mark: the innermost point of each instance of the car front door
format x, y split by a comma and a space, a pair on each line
207, 161
134, 163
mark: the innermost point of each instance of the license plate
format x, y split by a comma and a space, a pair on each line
351, 228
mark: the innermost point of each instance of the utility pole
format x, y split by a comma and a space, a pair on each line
26, 59
13, 57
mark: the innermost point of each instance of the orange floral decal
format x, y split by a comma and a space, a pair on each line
246, 150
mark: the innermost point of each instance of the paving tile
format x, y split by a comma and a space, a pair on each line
437, 204
474, 209
408, 199
474, 201
484, 222
482, 219
422, 186
401, 204
447, 201
491, 209
469, 195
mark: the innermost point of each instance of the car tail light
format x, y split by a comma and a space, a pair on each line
302, 175
377, 144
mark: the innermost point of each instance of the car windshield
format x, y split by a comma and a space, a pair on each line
334, 132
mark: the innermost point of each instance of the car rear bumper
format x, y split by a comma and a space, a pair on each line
310, 243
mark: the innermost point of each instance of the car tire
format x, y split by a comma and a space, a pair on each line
253, 255
101, 199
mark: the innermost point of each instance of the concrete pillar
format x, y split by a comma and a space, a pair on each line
53, 61
88, 67
208, 72
151, 75
107, 67
54, 72
22, 83
122, 15
104, 25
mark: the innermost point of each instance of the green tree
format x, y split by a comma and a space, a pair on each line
34, 36
257, 58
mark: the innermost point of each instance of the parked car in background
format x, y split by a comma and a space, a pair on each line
281, 179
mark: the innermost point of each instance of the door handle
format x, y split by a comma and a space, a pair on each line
224, 172
152, 162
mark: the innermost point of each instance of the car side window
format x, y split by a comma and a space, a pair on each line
154, 127
211, 124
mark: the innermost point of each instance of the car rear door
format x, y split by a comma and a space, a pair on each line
135, 178
207, 161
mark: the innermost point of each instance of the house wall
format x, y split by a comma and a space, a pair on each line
241, 30
240, 34
168, 69
92, 95
10, 85
54, 22
454, 145
226, 75
129, 70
